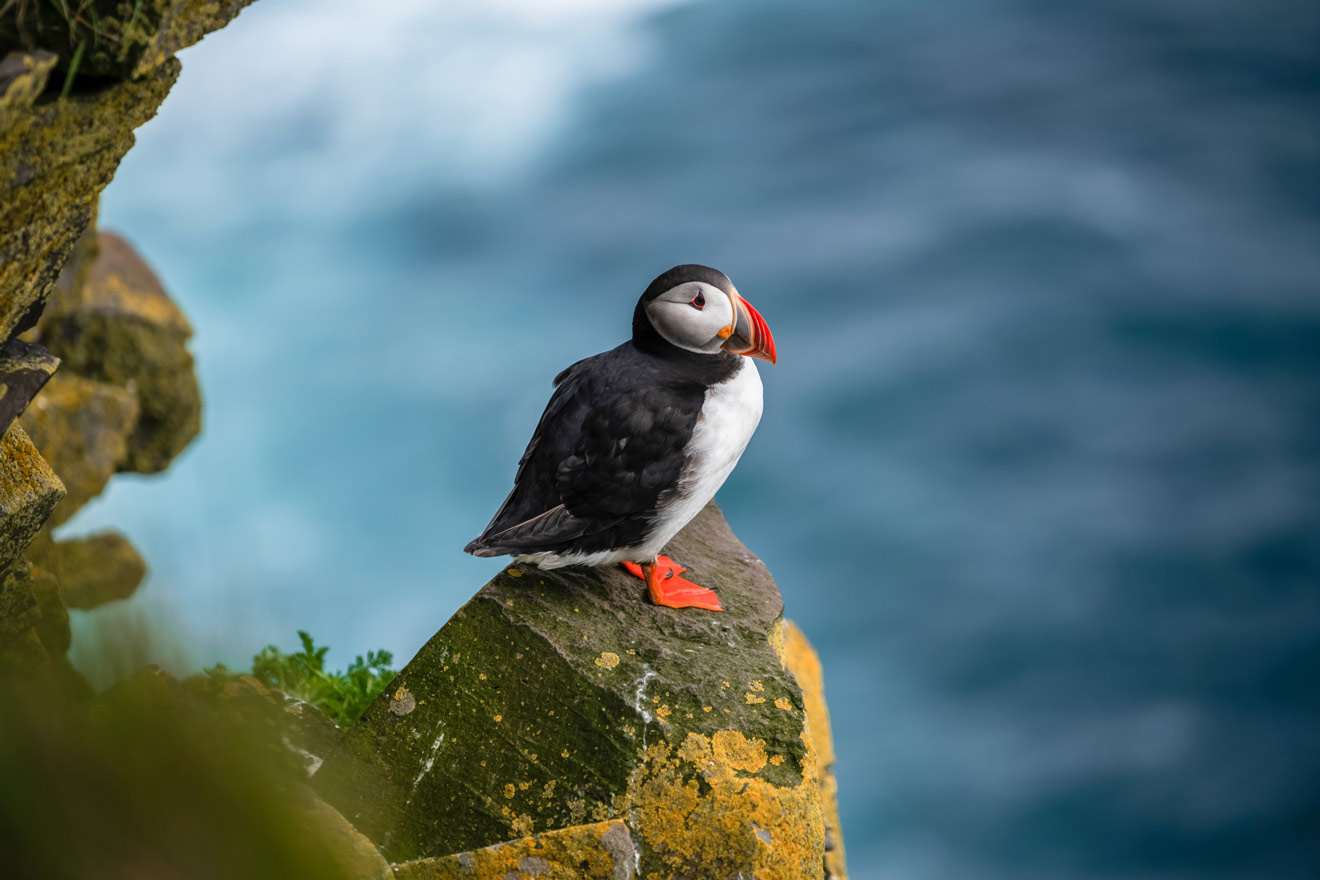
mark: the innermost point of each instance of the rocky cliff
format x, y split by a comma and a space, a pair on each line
563, 710
558, 726
95, 374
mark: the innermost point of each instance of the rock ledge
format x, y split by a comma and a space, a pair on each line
555, 701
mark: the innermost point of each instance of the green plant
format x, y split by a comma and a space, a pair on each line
343, 696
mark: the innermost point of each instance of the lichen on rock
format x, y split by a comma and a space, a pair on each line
22, 653
801, 660
82, 428
120, 327
558, 698
595, 851
22, 79
55, 158
29, 491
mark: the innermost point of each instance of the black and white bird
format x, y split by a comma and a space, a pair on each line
636, 440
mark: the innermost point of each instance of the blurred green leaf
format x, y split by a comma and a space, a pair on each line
343, 696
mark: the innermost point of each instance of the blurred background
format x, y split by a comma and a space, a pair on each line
1039, 472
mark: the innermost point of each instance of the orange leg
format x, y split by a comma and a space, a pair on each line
668, 589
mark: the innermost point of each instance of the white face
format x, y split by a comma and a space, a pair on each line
692, 315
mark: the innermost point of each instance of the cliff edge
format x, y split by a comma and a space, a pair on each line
559, 723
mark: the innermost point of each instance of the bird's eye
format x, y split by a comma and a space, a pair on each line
698, 301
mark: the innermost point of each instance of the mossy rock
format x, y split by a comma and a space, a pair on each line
29, 491
148, 780
22, 653
596, 851
82, 428
23, 78
557, 698
73, 277
56, 156
801, 660
53, 627
119, 38
301, 728
34, 633
122, 328
91, 570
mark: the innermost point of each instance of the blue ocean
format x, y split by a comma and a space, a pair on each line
1039, 471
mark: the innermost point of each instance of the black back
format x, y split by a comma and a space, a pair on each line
610, 443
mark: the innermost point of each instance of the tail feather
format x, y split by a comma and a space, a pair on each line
479, 547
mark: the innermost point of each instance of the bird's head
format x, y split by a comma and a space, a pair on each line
697, 309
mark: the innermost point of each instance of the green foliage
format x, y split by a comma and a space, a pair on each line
343, 696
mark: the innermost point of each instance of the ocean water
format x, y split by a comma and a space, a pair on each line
1039, 471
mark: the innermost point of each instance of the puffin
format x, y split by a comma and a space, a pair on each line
636, 440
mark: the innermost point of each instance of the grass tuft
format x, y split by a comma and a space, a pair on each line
73, 68
343, 696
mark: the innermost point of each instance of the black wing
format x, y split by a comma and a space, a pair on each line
610, 441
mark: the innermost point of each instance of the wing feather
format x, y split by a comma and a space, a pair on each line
609, 442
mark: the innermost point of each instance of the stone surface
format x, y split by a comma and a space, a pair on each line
597, 851
53, 627
558, 698
29, 491
82, 428
121, 38
34, 632
801, 660
55, 158
22, 78
122, 328
354, 855
21, 649
91, 570
299, 727
72, 279
24, 369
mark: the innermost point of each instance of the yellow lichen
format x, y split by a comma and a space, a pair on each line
510, 790
515, 573
737, 751
601, 849
784, 704
607, 660
777, 639
711, 830
753, 699
800, 659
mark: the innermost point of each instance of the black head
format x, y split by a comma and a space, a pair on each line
694, 310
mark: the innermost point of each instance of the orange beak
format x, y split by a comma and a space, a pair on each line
748, 334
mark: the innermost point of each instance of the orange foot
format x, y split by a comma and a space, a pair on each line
668, 589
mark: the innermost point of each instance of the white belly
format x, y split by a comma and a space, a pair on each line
728, 419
